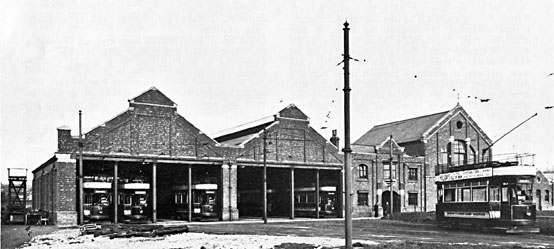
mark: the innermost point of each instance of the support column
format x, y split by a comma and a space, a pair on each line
292, 193
225, 191
233, 192
115, 193
317, 194
154, 197
229, 210
189, 194
340, 195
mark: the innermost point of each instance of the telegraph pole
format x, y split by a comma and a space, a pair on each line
390, 179
81, 199
347, 150
265, 177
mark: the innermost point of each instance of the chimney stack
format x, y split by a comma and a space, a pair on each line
334, 139
65, 141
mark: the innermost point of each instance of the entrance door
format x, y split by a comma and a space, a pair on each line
386, 202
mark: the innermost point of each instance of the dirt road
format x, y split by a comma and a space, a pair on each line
376, 230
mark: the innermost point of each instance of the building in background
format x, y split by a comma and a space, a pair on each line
443, 140
149, 162
543, 187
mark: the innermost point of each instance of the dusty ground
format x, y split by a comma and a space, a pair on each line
324, 233
69, 238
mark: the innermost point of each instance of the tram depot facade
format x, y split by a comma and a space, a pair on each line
152, 140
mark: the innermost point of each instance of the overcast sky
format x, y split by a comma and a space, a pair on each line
230, 62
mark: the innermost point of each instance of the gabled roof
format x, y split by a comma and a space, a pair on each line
403, 131
240, 137
415, 129
385, 145
242, 134
154, 97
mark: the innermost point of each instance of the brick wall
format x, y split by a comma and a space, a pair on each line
374, 185
66, 201
543, 192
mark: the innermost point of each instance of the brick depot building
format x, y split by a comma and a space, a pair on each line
422, 148
149, 151
152, 150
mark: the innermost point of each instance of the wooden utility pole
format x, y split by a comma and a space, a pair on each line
265, 177
347, 150
390, 179
81, 198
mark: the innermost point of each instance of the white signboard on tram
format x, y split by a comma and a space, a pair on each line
462, 175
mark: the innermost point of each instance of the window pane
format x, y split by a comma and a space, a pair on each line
504, 194
386, 171
449, 195
412, 174
363, 199
362, 171
479, 194
466, 194
494, 194
412, 199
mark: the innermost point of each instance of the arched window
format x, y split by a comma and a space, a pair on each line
362, 171
457, 152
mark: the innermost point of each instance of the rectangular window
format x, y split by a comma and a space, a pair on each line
505, 194
458, 153
494, 194
412, 199
479, 194
363, 198
412, 174
362, 171
387, 169
547, 195
449, 195
466, 194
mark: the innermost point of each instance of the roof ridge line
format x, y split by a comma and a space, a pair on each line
404, 120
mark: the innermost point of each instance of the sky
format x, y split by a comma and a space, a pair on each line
226, 63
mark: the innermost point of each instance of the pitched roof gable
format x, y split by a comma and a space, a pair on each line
154, 97
292, 112
403, 131
415, 129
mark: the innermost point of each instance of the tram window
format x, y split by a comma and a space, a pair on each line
459, 197
466, 194
504, 194
479, 194
197, 198
494, 193
449, 195
311, 198
88, 199
211, 199
524, 192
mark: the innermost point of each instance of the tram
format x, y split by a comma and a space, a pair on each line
305, 201
491, 195
98, 198
133, 199
204, 201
